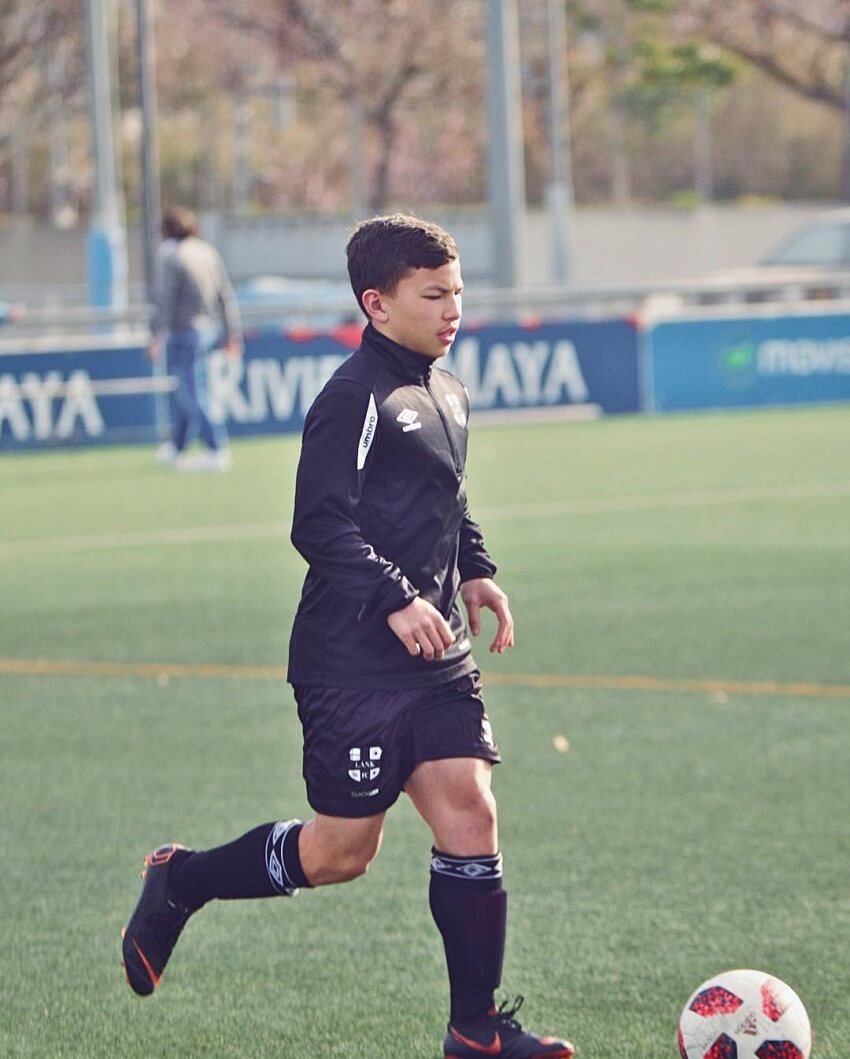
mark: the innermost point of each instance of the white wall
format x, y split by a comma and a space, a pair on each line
610, 246
660, 244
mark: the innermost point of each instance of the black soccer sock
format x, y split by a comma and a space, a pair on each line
264, 862
469, 907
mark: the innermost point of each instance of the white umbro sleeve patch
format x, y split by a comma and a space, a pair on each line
367, 435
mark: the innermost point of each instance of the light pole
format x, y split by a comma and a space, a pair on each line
505, 143
703, 147
845, 154
150, 140
151, 205
107, 238
560, 190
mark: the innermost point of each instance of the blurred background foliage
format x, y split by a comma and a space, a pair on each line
316, 106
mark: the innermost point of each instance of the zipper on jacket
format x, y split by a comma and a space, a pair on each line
445, 423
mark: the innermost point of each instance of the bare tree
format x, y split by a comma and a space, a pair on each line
374, 57
804, 46
26, 29
41, 69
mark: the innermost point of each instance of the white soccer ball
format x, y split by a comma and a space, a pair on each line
744, 1015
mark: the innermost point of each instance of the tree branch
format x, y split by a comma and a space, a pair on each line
820, 91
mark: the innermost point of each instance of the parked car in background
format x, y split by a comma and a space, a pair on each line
823, 243
812, 262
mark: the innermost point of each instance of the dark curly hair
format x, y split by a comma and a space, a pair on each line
383, 250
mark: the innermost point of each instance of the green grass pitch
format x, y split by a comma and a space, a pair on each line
681, 593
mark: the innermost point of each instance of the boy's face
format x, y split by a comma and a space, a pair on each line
423, 313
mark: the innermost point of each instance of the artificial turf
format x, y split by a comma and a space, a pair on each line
674, 724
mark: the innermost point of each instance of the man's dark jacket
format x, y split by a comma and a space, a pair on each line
381, 517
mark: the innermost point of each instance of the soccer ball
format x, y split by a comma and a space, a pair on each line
744, 1015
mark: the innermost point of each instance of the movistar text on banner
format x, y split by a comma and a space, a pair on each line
750, 361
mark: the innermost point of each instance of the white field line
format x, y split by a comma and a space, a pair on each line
545, 509
144, 539
668, 501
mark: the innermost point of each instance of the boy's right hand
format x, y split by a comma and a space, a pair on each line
422, 629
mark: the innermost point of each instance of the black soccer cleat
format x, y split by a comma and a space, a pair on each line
155, 924
499, 1035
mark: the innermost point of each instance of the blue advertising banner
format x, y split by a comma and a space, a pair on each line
588, 365
749, 361
109, 395
77, 397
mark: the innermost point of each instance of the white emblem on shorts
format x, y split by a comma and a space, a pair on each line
364, 763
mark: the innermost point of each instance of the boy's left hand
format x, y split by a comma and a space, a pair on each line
484, 592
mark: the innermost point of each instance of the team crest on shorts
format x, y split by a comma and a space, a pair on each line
364, 763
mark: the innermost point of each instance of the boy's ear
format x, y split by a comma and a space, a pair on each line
374, 305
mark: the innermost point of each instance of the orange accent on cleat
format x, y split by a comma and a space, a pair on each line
162, 856
154, 977
493, 1048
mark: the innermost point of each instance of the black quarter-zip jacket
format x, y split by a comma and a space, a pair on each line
381, 517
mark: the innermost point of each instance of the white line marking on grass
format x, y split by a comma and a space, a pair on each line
555, 508
670, 501
144, 538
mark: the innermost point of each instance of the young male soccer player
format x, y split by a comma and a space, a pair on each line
388, 693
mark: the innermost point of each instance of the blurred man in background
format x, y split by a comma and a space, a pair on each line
195, 312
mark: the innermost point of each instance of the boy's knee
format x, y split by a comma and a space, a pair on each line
356, 864
471, 827
343, 867
327, 861
482, 813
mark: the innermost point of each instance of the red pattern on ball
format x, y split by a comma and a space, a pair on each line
771, 1003
723, 1048
779, 1050
715, 1001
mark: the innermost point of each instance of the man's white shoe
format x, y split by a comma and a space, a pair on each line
222, 459
211, 460
166, 453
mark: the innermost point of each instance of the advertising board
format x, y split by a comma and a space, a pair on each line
109, 395
749, 361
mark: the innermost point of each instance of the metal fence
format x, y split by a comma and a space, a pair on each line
44, 323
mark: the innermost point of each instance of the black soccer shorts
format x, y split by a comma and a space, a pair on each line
360, 746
